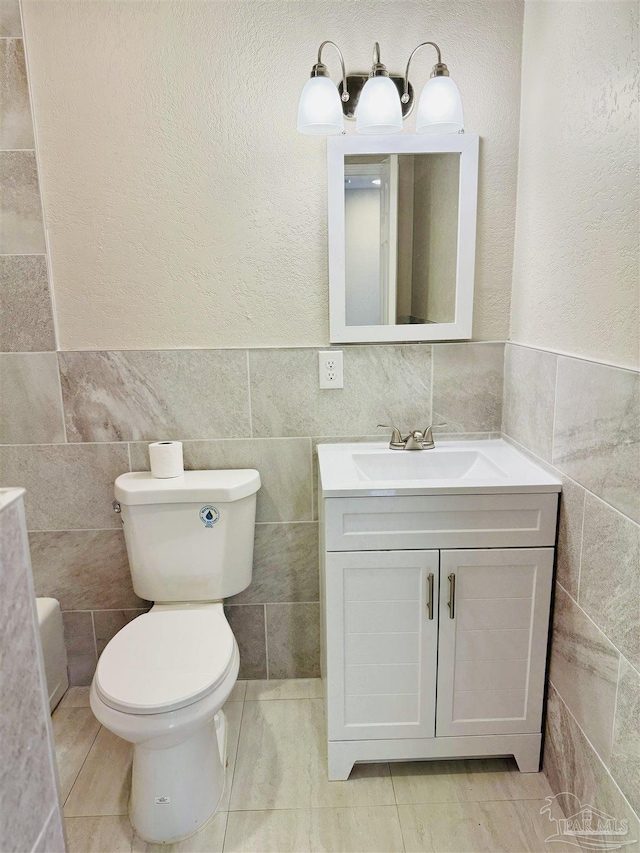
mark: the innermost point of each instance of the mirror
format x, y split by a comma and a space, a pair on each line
402, 238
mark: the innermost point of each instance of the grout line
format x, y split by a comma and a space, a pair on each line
129, 455
559, 473
615, 707
266, 641
249, 394
433, 359
595, 624
594, 750
404, 846
564, 354
555, 402
45, 826
313, 491
95, 642
584, 511
84, 761
22, 255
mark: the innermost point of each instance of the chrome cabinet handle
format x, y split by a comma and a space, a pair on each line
452, 596
430, 598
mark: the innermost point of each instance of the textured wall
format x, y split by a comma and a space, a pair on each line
183, 207
576, 256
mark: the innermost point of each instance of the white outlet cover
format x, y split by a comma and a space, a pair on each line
330, 369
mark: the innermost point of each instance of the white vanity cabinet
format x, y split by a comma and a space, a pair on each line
435, 624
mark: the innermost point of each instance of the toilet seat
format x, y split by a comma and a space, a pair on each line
165, 660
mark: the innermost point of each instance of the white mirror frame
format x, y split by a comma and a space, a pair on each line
467, 145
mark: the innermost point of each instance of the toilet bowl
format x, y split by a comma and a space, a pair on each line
162, 680
161, 686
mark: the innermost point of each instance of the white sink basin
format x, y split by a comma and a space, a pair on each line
452, 467
436, 464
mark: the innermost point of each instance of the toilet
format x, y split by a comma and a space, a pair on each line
162, 680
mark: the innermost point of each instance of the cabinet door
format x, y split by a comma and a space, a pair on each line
494, 619
382, 632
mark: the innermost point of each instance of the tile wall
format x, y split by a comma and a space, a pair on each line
95, 412
30, 814
582, 418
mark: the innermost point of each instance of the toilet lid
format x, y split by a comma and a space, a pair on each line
165, 660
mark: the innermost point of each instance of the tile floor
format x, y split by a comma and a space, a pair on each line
278, 797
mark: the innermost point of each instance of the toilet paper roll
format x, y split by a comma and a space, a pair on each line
166, 459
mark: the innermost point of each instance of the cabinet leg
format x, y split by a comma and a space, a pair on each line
340, 765
528, 757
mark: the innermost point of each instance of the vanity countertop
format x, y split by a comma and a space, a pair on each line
451, 468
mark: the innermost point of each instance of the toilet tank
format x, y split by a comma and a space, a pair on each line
189, 538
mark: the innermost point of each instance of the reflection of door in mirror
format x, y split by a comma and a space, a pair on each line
401, 236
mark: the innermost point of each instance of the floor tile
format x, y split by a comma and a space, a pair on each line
233, 711
465, 781
357, 830
286, 688
238, 692
74, 733
107, 834
489, 827
75, 697
104, 783
208, 840
282, 762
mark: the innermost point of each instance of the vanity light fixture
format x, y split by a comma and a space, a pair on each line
320, 108
378, 101
379, 108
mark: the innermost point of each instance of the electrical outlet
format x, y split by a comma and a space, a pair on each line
330, 369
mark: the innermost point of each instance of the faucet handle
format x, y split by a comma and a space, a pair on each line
431, 427
397, 440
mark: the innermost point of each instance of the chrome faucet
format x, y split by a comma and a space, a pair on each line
416, 440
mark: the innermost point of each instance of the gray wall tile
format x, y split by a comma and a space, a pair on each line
21, 231
293, 640
31, 403
27, 783
285, 564
381, 436
584, 670
284, 465
570, 535
173, 394
83, 569
247, 624
597, 431
382, 384
10, 18
467, 386
26, 318
16, 130
529, 391
81, 647
625, 756
107, 623
610, 575
68, 486
572, 766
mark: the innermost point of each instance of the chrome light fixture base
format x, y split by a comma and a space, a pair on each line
355, 85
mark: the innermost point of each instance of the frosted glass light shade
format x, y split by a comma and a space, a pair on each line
379, 109
440, 107
320, 108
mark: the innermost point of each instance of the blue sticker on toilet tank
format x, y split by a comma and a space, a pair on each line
209, 515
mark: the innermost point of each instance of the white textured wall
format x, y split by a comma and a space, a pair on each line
184, 209
576, 257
